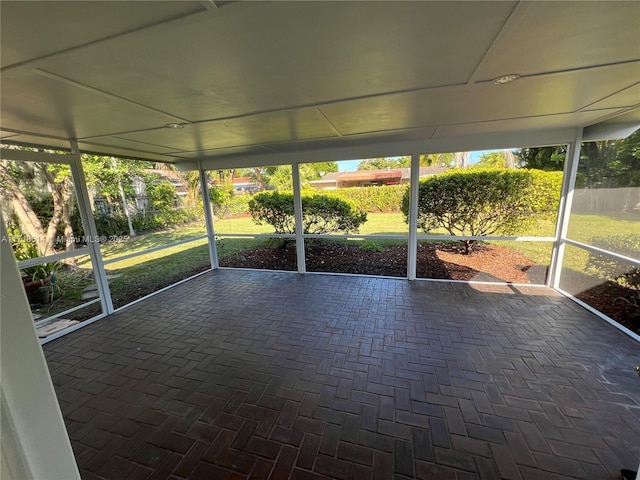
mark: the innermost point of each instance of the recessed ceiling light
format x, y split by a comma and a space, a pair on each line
174, 125
511, 77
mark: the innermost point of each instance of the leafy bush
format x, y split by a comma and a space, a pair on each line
232, 206
483, 202
116, 224
544, 192
321, 213
627, 245
162, 195
371, 246
373, 199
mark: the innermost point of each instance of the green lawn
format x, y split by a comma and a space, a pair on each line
136, 277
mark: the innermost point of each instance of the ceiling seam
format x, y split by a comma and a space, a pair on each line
133, 149
97, 91
519, 11
609, 96
568, 70
147, 143
329, 121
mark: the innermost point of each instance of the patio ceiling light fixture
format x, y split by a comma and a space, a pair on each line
509, 78
174, 125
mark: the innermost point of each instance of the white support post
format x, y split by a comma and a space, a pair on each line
208, 218
90, 231
412, 246
33, 439
564, 210
297, 210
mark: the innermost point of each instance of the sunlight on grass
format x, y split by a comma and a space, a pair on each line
154, 239
584, 227
240, 225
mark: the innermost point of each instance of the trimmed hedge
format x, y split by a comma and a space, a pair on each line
116, 224
320, 213
485, 201
373, 199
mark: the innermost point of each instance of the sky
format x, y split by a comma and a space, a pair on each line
351, 165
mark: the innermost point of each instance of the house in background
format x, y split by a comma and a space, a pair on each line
372, 178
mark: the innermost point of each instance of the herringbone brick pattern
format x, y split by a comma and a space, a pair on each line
256, 375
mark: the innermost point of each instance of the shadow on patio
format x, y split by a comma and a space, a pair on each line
245, 374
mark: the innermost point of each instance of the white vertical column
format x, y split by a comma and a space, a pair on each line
412, 246
208, 217
90, 230
33, 441
297, 210
564, 210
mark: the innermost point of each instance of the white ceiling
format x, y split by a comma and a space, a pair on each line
263, 77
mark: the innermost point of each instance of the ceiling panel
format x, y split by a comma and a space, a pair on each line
555, 36
72, 23
38, 104
253, 130
286, 76
290, 54
519, 124
532, 96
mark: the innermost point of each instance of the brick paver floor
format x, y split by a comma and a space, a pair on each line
243, 374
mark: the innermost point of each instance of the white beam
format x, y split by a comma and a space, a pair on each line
297, 209
90, 230
412, 246
208, 219
34, 440
29, 156
564, 210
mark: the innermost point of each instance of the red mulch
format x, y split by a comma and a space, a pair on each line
438, 261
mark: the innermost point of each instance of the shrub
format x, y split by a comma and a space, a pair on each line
116, 224
162, 195
544, 192
232, 206
622, 273
482, 202
321, 213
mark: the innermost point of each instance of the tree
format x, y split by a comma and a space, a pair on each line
280, 177
16, 178
603, 165
475, 202
438, 160
542, 158
497, 159
384, 163
320, 213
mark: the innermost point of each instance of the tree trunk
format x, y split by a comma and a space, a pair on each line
29, 221
123, 198
468, 246
461, 159
259, 179
67, 207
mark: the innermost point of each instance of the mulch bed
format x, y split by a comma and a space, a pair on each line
437, 261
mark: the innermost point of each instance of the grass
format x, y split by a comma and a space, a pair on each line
136, 277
